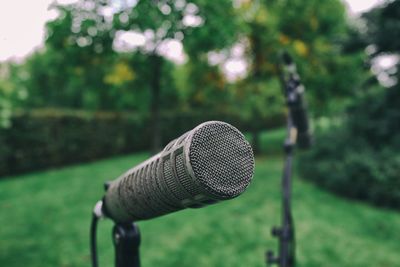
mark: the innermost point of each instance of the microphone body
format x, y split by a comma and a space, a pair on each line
210, 163
294, 92
298, 113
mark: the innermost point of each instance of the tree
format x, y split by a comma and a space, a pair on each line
383, 34
70, 71
200, 25
313, 33
80, 66
359, 158
12, 92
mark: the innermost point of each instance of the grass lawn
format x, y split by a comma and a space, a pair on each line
45, 220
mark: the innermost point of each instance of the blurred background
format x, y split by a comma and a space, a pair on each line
89, 88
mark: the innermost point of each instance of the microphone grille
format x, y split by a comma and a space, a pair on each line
221, 158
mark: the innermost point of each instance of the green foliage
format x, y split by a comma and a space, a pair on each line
80, 68
12, 94
206, 87
377, 117
384, 27
265, 99
314, 33
360, 159
383, 34
330, 231
70, 71
83, 67
221, 28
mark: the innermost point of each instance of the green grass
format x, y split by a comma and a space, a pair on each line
45, 220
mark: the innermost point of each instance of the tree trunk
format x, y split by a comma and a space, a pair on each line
156, 66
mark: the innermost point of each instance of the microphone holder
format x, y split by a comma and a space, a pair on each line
125, 236
126, 239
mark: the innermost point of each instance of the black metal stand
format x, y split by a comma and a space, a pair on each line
126, 239
286, 233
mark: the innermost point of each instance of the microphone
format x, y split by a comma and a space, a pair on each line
211, 163
294, 92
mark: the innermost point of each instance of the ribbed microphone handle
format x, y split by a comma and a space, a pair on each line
210, 163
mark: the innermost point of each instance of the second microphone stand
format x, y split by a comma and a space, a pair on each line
286, 233
296, 119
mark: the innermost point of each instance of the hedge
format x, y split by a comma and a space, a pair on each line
360, 159
44, 138
352, 168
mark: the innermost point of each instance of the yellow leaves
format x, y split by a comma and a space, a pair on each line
120, 74
199, 97
284, 39
96, 61
314, 23
262, 16
6, 87
216, 79
78, 71
270, 67
322, 46
246, 4
300, 47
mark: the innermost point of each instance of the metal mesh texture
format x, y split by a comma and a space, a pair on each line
184, 178
222, 159
222, 164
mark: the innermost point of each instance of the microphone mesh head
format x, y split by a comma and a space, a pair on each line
221, 159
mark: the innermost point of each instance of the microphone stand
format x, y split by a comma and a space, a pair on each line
286, 233
125, 236
126, 239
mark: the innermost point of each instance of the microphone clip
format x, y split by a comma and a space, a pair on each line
98, 210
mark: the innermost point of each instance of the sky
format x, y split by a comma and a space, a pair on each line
22, 29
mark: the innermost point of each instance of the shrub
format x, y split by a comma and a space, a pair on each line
361, 158
49, 138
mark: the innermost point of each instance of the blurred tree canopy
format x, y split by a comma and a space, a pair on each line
315, 34
80, 67
116, 55
12, 92
88, 64
383, 34
383, 28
